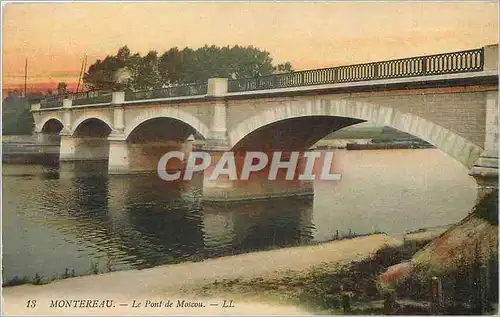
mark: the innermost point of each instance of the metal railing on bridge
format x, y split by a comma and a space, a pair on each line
169, 92
91, 97
52, 102
439, 64
81, 98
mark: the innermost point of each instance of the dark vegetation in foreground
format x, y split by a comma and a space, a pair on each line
16, 116
472, 286
325, 288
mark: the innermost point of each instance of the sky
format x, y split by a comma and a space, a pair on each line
55, 36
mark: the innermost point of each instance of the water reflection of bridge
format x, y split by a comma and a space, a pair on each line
144, 221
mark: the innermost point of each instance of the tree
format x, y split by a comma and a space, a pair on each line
146, 75
123, 55
170, 66
61, 88
184, 66
283, 68
249, 62
197, 66
101, 74
16, 116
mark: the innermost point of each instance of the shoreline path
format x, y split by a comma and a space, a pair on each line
163, 283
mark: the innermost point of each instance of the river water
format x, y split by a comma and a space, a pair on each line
70, 216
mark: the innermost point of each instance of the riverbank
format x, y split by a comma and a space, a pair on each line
183, 281
371, 144
24, 149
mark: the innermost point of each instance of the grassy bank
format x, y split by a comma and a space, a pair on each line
464, 259
324, 288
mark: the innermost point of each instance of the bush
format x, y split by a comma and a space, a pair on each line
94, 267
17, 281
37, 280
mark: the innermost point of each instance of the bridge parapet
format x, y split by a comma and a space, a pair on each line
439, 64
67, 103
35, 106
52, 102
168, 92
468, 61
118, 97
91, 97
490, 57
217, 87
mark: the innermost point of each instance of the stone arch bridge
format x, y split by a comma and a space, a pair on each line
449, 100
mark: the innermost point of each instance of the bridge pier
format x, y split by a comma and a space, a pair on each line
216, 144
485, 168
83, 149
485, 185
45, 144
257, 187
129, 158
217, 138
118, 158
67, 150
44, 139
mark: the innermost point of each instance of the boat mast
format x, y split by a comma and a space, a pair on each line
84, 63
25, 78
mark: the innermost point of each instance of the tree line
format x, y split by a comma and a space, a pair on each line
187, 66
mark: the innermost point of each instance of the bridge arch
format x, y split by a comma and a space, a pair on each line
85, 118
89, 139
447, 141
40, 127
173, 113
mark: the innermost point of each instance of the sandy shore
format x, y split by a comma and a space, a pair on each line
163, 283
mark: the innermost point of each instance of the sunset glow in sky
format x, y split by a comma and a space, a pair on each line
55, 36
